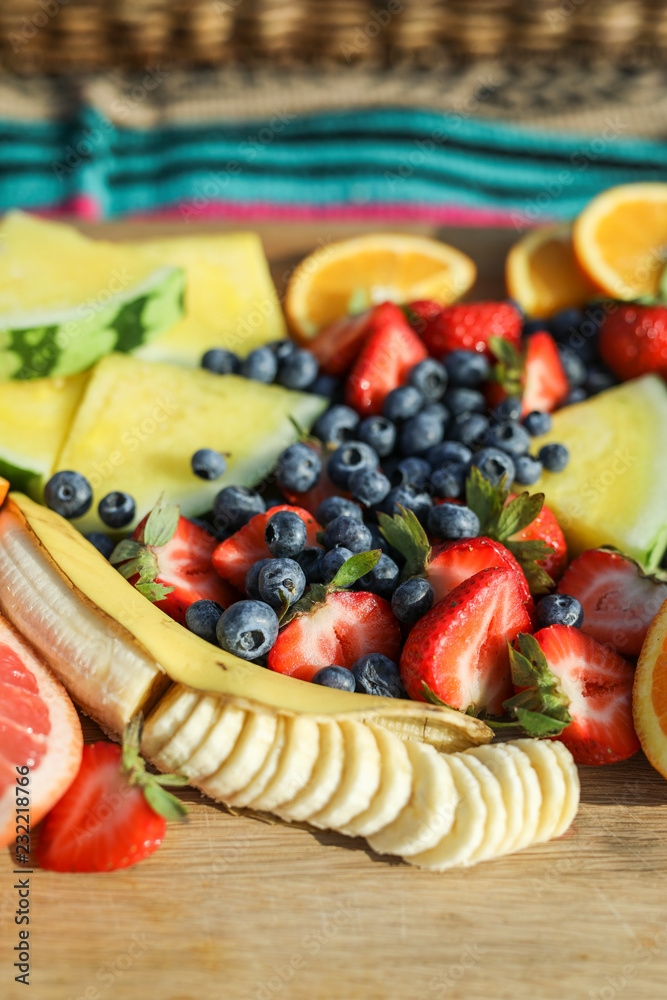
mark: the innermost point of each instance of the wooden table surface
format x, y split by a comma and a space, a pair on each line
232, 908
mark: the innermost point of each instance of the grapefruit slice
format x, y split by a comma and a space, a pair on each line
649, 695
543, 275
620, 239
347, 277
39, 727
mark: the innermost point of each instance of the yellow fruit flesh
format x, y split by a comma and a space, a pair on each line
614, 489
139, 424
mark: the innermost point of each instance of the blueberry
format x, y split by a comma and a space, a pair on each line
598, 379
261, 365
554, 457
251, 582
494, 465
577, 395
347, 533
527, 470
116, 509
574, 367
565, 324
450, 521
559, 609
285, 534
412, 600
382, 579
332, 561
202, 617
439, 411
282, 349
377, 674
336, 677
469, 429
234, 506
430, 378
509, 437
464, 401
220, 361
336, 424
298, 468
326, 385
420, 433
537, 422
68, 494
449, 451
467, 369
102, 542
402, 403
379, 434
507, 409
368, 486
247, 629
208, 463
449, 480
413, 472
350, 457
298, 370
309, 560
281, 580
534, 326
418, 502
335, 506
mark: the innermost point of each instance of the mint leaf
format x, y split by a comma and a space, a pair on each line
405, 533
518, 514
354, 568
161, 524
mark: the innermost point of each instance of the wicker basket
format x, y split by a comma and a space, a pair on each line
54, 36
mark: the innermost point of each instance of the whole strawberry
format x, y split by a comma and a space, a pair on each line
633, 340
469, 326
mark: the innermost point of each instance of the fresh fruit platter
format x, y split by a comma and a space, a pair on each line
383, 560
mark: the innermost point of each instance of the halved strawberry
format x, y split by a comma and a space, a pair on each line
545, 528
468, 326
233, 558
169, 560
582, 687
112, 815
537, 374
458, 650
619, 600
337, 345
390, 351
452, 563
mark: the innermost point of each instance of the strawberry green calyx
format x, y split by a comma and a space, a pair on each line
133, 557
510, 365
406, 534
541, 709
158, 798
433, 699
352, 570
161, 523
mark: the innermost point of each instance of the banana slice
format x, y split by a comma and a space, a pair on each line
552, 784
240, 767
459, 844
360, 780
324, 780
532, 802
496, 819
295, 766
266, 771
394, 790
187, 736
429, 813
572, 789
166, 718
502, 763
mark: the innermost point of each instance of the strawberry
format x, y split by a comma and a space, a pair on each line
633, 340
537, 374
619, 600
452, 563
469, 326
546, 529
113, 814
457, 652
390, 351
233, 558
169, 560
337, 345
421, 313
333, 626
572, 687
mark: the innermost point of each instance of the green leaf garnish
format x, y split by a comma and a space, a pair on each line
152, 785
405, 533
542, 707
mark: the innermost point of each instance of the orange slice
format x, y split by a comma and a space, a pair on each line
39, 729
620, 239
4, 488
649, 696
349, 276
543, 275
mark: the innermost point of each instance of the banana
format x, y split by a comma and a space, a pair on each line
175, 707
250, 751
467, 832
297, 760
496, 818
192, 751
394, 790
572, 789
502, 765
117, 653
324, 780
552, 784
266, 772
532, 799
360, 780
429, 812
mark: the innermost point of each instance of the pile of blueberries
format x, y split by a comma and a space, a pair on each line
281, 361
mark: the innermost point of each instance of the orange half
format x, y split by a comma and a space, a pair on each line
620, 239
351, 275
543, 275
649, 695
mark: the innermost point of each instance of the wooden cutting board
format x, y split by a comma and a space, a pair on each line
233, 908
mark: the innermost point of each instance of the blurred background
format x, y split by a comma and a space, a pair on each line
507, 112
